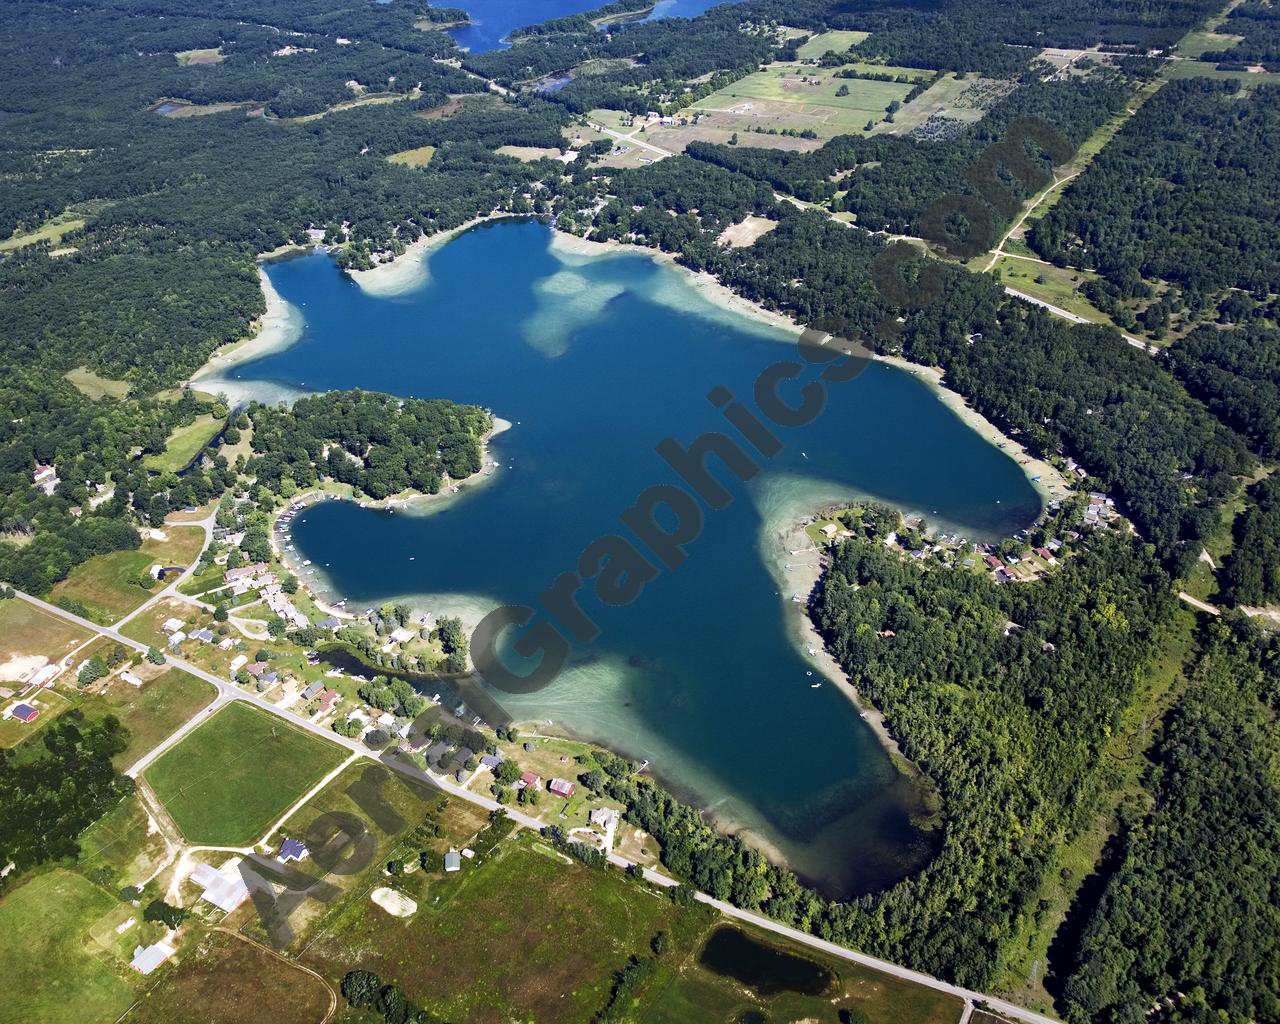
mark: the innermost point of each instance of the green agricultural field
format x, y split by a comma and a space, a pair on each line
184, 444
225, 783
226, 980
105, 583
152, 711
93, 386
830, 42
791, 96
419, 157
58, 973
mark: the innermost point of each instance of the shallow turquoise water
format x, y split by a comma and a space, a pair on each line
595, 361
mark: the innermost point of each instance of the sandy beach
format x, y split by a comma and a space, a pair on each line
702, 282
415, 502
803, 580
408, 271
278, 328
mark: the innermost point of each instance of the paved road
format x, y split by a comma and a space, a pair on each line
1075, 318
228, 692
632, 139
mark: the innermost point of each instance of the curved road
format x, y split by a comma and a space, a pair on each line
228, 692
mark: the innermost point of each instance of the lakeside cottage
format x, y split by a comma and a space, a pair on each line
562, 787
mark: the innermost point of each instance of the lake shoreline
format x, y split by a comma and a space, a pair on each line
725, 298
411, 501
273, 331
408, 271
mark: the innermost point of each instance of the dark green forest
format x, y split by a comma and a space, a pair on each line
1252, 573
377, 443
53, 794
1192, 912
1188, 192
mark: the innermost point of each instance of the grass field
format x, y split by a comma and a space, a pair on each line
1050, 284
211, 55
833, 42
369, 100
225, 783
184, 444
794, 96
529, 153
44, 935
964, 100
533, 935
93, 386
152, 711
51, 231
419, 157
103, 583
226, 980
412, 802
1193, 44
522, 937
31, 638
1199, 69
120, 843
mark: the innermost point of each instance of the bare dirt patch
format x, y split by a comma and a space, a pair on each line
736, 236
397, 904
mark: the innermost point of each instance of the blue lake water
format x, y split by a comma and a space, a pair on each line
491, 20
595, 360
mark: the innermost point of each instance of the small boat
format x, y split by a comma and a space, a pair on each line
804, 455
411, 558
814, 686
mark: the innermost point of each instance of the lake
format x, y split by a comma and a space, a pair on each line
595, 360
491, 20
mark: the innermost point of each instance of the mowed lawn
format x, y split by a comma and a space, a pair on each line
226, 782
104, 584
56, 973
795, 96
184, 444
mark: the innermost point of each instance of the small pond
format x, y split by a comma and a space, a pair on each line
765, 969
